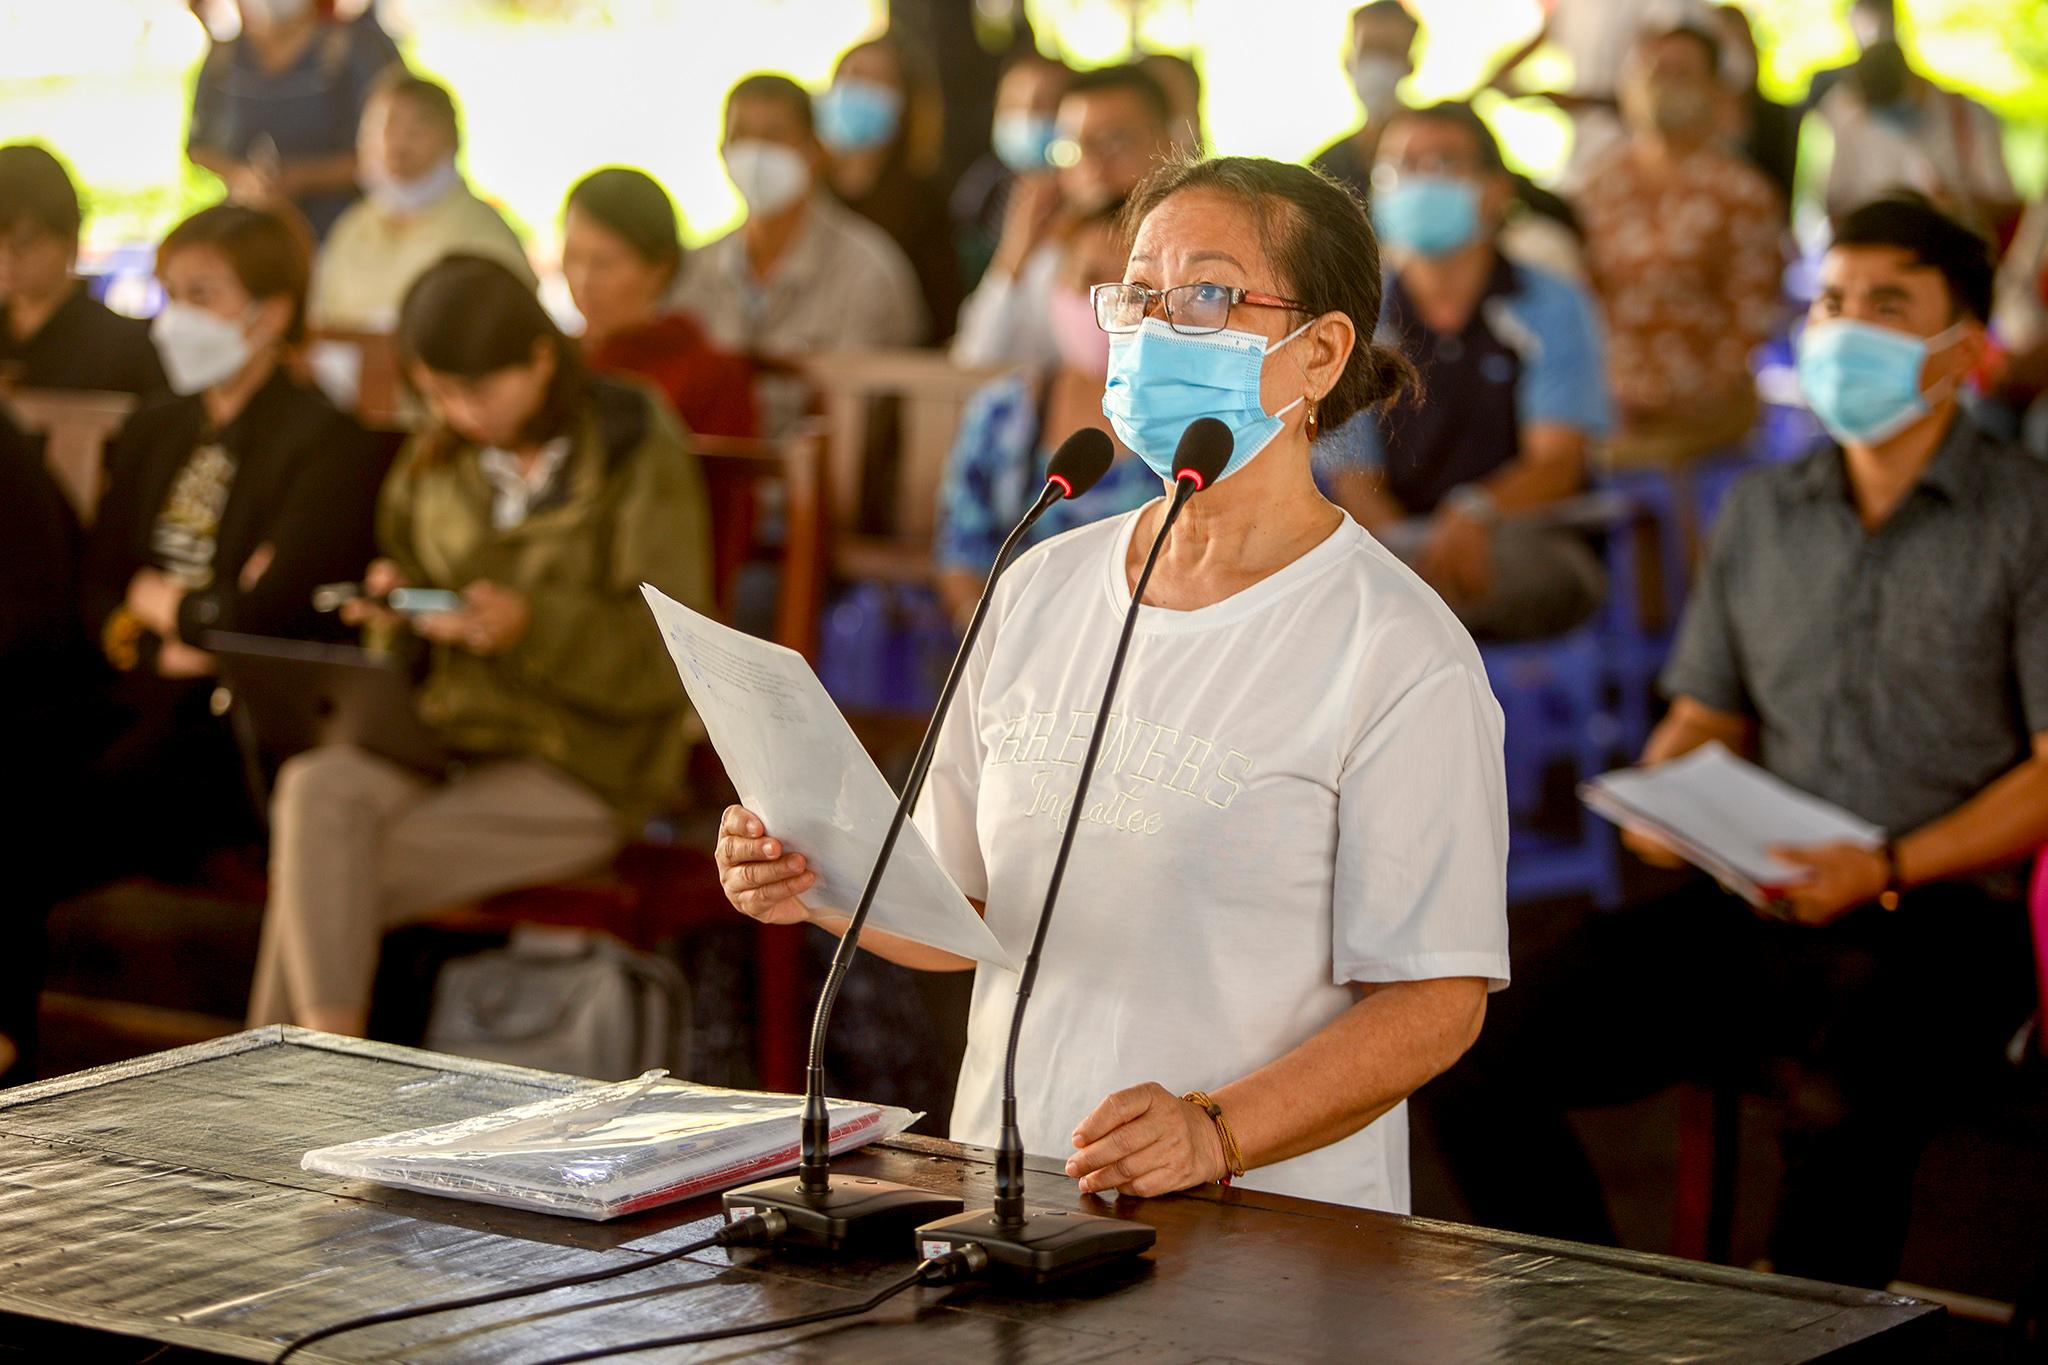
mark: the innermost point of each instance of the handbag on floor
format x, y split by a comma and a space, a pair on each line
566, 1000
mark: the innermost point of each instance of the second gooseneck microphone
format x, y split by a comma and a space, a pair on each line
1054, 1244
821, 1210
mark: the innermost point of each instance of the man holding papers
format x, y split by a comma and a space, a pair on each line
1871, 628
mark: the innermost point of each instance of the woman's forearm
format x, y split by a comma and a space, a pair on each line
1355, 1069
904, 952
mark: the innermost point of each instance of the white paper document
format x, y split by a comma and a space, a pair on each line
1723, 815
799, 767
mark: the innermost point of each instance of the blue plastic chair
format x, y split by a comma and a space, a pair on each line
885, 648
1553, 696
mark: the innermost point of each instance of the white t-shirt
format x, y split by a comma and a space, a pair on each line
1300, 787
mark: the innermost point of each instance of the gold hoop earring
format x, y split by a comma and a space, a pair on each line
1310, 423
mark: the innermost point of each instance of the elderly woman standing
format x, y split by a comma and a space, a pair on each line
1290, 890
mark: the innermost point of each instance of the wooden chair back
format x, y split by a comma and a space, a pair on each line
890, 416
749, 481
75, 426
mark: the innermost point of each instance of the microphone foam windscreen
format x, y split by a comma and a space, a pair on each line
1203, 451
1082, 459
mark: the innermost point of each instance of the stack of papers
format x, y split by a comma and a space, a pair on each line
797, 764
612, 1150
1723, 815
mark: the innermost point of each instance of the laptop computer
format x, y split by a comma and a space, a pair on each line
299, 695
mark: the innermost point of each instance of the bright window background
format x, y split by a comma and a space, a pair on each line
554, 88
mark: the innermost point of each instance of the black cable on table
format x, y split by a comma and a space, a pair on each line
758, 1230
954, 1265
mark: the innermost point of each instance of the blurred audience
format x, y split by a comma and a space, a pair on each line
803, 272
1895, 128
277, 107
1181, 79
2020, 321
1682, 242
1010, 429
1765, 131
1114, 126
415, 209
1871, 626
1513, 384
1378, 56
621, 252
228, 504
56, 334
1020, 148
1595, 37
545, 497
879, 123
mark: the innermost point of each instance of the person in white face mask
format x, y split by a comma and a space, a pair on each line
415, 210
228, 504
803, 272
1378, 57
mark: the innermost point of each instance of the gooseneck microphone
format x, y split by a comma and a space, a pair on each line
1052, 1244
830, 1212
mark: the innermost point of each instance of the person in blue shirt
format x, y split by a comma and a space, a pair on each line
1011, 428
1514, 391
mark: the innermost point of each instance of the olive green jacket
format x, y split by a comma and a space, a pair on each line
589, 688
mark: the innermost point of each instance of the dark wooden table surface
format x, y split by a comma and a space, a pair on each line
162, 1199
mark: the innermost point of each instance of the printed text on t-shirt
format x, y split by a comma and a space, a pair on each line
1139, 758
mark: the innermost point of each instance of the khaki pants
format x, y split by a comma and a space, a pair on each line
360, 845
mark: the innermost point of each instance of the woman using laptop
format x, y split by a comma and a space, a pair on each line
537, 500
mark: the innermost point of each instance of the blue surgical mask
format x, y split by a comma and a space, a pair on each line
1160, 380
1023, 141
858, 116
1862, 381
1430, 215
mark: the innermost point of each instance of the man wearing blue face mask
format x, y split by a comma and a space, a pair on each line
1514, 391
803, 272
1871, 626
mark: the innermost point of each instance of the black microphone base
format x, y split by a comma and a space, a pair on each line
1049, 1245
855, 1214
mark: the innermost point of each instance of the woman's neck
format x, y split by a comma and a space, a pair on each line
1243, 529
225, 402
629, 321
26, 316
855, 173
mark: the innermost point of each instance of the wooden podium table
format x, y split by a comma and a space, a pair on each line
162, 1200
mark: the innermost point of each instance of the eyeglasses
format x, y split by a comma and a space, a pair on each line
1191, 309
